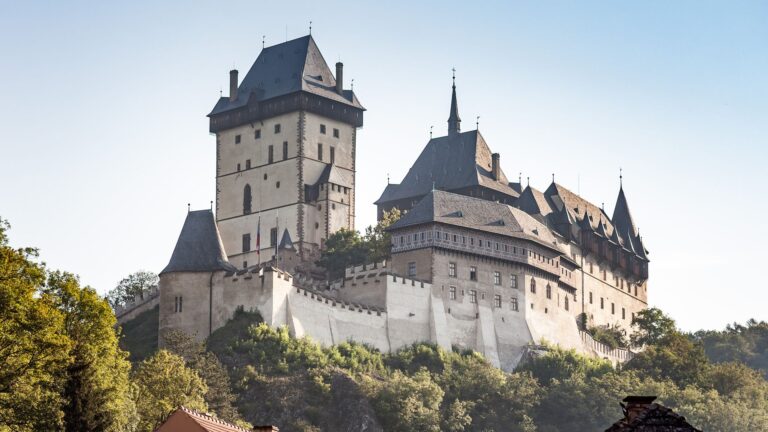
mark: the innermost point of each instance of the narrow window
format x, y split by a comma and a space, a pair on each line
246, 242
613, 308
319, 151
590, 297
181, 304
566, 303
335, 133
271, 154
176, 304
333, 154
322, 129
237, 139
277, 128
247, 164
513, 281
245, 264
285, 150
247, 199
533, 285
277, 185
623, 313
452, 293
452, 269
513, 303
497, 278
472, 296
473, 273
238, 167
273, 236
549, 291
591, 269
257, 134
497, 300
411, 269
602, 303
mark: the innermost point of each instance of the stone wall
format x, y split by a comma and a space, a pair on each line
149, 299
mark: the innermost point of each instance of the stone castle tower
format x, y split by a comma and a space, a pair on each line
285, 154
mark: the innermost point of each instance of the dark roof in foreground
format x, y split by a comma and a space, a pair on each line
199, 248
190, 420
651, 417
285, 68
450, 163
478, 214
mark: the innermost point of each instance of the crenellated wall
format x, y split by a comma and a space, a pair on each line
146, 301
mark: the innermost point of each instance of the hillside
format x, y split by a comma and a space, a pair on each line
301, 386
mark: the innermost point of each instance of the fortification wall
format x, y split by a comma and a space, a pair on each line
148, 300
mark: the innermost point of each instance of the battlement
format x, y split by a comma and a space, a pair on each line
148, 299
614, 355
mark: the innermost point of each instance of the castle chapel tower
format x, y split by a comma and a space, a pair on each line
285, 154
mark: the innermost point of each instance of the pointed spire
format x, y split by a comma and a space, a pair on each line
454, 122
622, 218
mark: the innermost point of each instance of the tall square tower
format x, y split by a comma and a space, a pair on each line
285, 154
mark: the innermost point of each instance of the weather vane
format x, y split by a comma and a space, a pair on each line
430, 132
310, 28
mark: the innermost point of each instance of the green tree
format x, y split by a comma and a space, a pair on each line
404, 403
651, 326
378, 241
164, 383
675, 357
132, 286
612, 335
33, 345
343, 249
219, 396
744, 343
96, 383
559, 364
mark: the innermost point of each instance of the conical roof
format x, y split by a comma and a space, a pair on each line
622, 218
199, 247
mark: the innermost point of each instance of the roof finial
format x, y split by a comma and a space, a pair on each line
621, 178
387, 178
221, 92
528, 179
477, 123
189, 207
211, 205
430, 132
310, 28
520, 178
454, 122
352, 84
553, 177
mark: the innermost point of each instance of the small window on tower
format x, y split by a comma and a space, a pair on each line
277, 185
238, 167
257, 134
411, 269
285, 150
335, 133
473, 273
273, 236
497, 300
277, 128
452, 293
246, 242
513, 303
333, 154
322, 129
237, 139
319, 151
247, 164
271, 154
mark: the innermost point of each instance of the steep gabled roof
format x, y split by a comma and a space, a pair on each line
338, 176
622, 218
449, 163
533, 201
288, 67
199, 247
286, 242
564, 199
478, 214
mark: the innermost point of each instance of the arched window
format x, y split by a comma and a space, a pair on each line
533, 285
549, 291
247, 199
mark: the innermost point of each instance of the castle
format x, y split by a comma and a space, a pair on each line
477, 261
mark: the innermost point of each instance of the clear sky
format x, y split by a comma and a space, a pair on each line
105, 140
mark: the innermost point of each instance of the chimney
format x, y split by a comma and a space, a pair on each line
495, 168
233, 85
339, 78
636, 405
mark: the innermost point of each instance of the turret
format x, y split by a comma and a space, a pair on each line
454, 121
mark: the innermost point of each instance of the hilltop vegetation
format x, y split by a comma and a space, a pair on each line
61, 368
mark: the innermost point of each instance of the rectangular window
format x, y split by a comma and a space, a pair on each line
472, 296
613, 308
319, 151
497, 278
513, 303
273, 236
497, 300
513, 281
246, 242
238, 167
590, 298
335, 133
452, 293
602, 303
237, 139
623, 313
271, 154
411, 269
277, 128
177, 307
473, 273
247, 164
452, 269
322, 129
285, 150
257, 134
245, 264
332, 154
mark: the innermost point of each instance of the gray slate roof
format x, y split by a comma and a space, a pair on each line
478, 214
199, 248
289, 67
451, 162
333, 174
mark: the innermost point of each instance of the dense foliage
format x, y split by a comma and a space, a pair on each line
132, 286
346, 248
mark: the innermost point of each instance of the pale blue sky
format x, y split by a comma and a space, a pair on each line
105, 139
